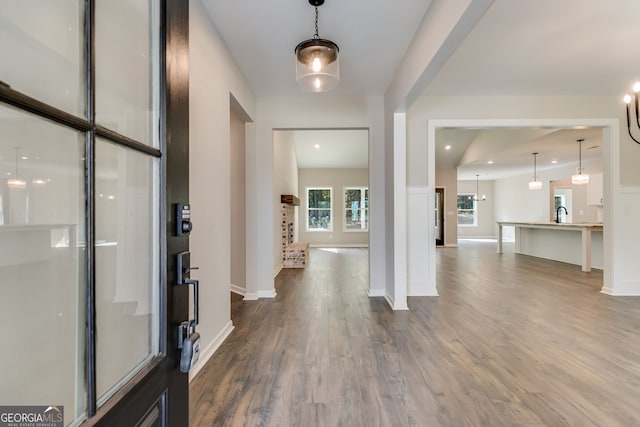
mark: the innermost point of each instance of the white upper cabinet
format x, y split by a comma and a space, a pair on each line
595, 191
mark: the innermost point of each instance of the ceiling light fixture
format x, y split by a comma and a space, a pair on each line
16, 182
476, 196
627, 100
535, 184
580, 178
317, 65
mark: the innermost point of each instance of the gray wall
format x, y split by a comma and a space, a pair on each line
336, 178
486, 223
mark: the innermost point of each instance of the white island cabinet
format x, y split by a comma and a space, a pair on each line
573, 243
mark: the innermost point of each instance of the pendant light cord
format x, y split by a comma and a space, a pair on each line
16, 148
316, 36
580, 155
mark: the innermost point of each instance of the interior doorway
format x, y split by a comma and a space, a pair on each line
327, 170
439, 214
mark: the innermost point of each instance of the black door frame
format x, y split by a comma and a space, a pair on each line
440, 193
159, 389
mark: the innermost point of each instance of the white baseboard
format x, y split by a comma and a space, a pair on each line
277, 271
376, 292
626, 288
341, 245
207, 352
238, 290
394, 306
421, 289
267, 294
250, 296
476, 237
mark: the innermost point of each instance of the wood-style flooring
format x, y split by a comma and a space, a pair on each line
511, 341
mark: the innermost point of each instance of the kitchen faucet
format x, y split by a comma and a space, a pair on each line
558, 213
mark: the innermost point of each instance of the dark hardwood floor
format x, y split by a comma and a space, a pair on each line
510, 341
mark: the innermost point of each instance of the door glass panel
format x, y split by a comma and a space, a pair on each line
127, 267
126, 68
42, 259
42, 45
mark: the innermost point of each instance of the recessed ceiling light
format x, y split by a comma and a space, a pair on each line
24, 158
317, 146
554, 161
490, 162
447, 147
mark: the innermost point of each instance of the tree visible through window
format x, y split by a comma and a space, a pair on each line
356, 205
319, 209
467, 210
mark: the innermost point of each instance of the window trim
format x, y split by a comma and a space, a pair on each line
474, 210
364, 225
330, 209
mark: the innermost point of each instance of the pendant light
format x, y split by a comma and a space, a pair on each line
535, 184
477, 196
627, 100
317, 65
16, 182
580, 178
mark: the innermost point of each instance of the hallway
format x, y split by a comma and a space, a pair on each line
512, 340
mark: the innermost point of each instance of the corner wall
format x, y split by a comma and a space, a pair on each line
285, 181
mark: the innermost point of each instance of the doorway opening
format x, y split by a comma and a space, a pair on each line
439, 213
606, 131
327, 170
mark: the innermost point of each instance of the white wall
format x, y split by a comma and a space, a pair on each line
214, 77
309, 112
336, 179
515, 202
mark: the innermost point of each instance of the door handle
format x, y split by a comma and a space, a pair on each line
196, 299
188, 338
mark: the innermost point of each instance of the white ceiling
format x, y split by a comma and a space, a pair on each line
519, 47
319, 149
373, 37
510, 150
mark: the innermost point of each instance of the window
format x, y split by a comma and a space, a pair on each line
467, 211
319, 209
356, 209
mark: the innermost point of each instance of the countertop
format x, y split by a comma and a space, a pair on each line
553, 224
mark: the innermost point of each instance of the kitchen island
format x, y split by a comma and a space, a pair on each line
559, 242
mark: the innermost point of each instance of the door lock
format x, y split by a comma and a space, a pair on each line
183, 219
189, 343
188, 338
